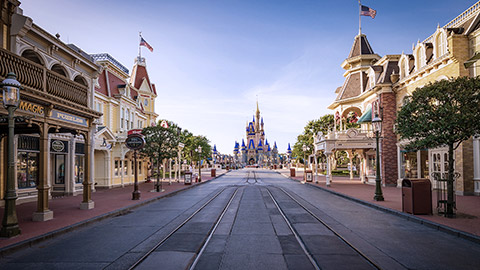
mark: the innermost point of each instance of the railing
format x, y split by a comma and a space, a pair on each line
32, 75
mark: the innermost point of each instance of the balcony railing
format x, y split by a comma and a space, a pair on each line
34, 76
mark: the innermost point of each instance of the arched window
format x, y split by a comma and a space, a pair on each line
420, 57
59, 70
441, 44
79, 79
32, 56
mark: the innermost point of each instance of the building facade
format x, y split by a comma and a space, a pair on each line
379, 85
127, 103
55, 122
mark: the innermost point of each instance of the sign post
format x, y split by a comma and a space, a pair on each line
135, 142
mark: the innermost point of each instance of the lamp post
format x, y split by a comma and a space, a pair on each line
11, 99
199, 150
377, 127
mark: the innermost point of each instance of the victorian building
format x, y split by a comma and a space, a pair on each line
379, 85
127, 103
257, 150
55, 124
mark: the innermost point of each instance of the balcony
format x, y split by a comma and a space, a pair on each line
38, 78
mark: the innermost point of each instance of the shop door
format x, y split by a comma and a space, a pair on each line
59, 172
439, 160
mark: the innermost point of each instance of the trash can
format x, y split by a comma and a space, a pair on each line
213, 173
292, 172
308, 175
188, 178
417, 196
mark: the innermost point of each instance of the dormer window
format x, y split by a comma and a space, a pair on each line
420, 57
145, 102
441, 44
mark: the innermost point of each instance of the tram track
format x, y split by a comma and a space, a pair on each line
151, 250
301, 241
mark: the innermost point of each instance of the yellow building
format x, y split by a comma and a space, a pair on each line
375, 84
127, 104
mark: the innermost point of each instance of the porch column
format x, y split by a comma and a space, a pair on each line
87, 202
169, 171
43, 213
361, 155
350, 157
328, 173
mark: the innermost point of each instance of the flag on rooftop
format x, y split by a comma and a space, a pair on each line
366, 11
145, 44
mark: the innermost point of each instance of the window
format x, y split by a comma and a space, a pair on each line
131, 120
133, 167
27, 169
79, 168
117, 167
99, 108
420, 58
127, 119
122, 117
441, 44
145, 102
124, 172
59, 169
139, 167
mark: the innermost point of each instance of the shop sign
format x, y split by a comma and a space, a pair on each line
30, 107
134, 131
67, 117
58, 146
135, 142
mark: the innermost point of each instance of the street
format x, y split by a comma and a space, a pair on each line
251, 219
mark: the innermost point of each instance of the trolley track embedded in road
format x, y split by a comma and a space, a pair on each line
168, 236
370, 261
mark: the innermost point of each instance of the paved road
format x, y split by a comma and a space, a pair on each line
247, 220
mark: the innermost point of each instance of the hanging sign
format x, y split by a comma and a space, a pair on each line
135, 142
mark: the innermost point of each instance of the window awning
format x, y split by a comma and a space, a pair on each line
366, 116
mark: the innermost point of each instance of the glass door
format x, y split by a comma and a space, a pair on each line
439, 160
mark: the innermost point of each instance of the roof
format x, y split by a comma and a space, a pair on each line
360, 46
353, 85
366, 116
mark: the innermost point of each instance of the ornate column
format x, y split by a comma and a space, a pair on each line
43, 187
350, 157
87, 202
361, 155
328, 173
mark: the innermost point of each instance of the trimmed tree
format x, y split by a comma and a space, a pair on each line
443, 113
161, 144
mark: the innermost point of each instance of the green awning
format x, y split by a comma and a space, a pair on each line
366, 116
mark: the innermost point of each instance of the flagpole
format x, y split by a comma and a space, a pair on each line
139, 47
359, 18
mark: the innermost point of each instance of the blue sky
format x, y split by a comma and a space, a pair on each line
212, 58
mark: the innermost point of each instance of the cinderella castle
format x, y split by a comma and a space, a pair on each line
257, 150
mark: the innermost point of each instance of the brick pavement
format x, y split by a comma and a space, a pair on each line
67, 214
468, 207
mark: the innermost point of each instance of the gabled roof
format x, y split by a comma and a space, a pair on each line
360, 46
353, 86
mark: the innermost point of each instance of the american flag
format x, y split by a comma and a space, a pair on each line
144, 43
366, 11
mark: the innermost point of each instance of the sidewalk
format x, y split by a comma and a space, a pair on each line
67, 214
467, 213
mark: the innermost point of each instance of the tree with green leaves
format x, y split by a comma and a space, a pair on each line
443, 113
323, 124
161, 144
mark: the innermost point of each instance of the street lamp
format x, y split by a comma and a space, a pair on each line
199, 150
377, 127
180, 148
11, 99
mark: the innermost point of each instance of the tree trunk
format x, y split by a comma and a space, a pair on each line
450, 181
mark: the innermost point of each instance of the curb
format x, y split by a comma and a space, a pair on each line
121, 211
428, 223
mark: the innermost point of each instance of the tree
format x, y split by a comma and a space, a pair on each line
442, 113
323, 124
161, 143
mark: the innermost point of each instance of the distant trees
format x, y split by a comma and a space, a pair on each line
443, 113
323, 124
